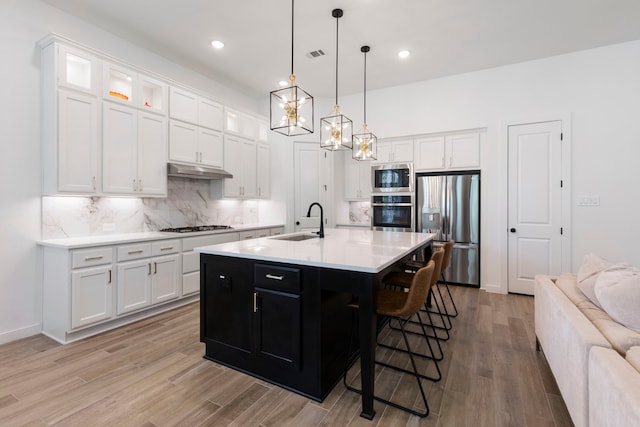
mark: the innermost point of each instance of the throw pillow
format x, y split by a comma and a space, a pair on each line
618, 291
588, 273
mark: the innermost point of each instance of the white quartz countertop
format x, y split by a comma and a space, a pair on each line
344, 249
115, 239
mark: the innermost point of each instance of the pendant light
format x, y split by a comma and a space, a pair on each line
336, 131
291, 111
365, 143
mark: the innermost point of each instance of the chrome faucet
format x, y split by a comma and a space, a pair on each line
321, 232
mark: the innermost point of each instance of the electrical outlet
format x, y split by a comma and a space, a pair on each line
588, 201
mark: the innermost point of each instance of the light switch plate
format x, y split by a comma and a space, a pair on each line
588, 201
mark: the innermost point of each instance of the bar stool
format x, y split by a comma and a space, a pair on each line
415, 265
404, 280
401, 305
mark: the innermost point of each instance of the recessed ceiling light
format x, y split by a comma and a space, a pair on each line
283, 83
404, 53
217, 44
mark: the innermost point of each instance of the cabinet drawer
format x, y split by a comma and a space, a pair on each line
165, 247
135, 251
190, 262
278, 278
89, 257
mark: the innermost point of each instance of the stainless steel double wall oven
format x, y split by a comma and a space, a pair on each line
392, 197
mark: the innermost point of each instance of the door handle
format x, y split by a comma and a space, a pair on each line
513, 230
255, 302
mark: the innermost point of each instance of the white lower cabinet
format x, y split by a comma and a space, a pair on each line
91, 295
144, 279
134, 286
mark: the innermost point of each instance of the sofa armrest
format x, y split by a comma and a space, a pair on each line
566, 336
614, 390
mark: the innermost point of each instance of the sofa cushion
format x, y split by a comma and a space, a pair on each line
618, 290
633, 357
588, 273
620, 337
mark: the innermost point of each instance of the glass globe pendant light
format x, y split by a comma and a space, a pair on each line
364, 142
291, 111
336, 131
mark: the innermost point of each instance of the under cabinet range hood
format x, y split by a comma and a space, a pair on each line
196, 172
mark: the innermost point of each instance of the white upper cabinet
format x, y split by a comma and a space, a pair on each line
118, 84
191, 108
194, 144
152, 154
76, 69
152, 95
209, 114
429, 153
263, 170
357, 178
463, 151
239, 123
130, 88
70, 120
395, 151
134, 146
71, 152
239, 160
183, 105
458, 151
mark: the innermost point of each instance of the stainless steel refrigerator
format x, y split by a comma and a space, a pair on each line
449, 206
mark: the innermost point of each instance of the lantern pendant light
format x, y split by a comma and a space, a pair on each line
336, 131
364, 142
291, 111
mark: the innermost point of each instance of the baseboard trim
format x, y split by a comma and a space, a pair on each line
496, 289
17, 334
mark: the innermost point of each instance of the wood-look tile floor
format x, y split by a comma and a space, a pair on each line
152, 373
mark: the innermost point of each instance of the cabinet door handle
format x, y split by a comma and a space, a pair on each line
137, 251
155, 268
139, 185
135, 185
93, 258
149, 270
166, 248
255, 302
93, 182
109, 276
274, 277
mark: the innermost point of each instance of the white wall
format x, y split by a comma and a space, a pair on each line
22, 24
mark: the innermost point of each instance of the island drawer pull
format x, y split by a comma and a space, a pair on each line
274, 277
93, 258
138, 251
255, 302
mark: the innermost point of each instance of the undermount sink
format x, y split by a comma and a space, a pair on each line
296, 237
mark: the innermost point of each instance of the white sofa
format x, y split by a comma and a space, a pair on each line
586, 352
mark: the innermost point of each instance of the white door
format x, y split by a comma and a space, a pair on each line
535, 203
312, 183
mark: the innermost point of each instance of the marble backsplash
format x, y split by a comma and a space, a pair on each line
187, 203
360, 213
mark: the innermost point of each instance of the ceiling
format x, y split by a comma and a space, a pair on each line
445, 36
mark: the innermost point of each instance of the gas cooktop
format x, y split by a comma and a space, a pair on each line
196, 228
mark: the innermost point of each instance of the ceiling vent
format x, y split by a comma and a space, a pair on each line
315, 53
